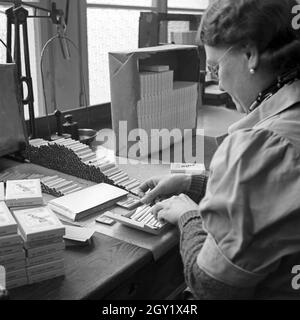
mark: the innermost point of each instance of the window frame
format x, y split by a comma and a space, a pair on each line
157, 6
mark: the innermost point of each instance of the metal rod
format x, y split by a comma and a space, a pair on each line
9, 35
30, 98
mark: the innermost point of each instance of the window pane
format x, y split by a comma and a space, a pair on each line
139, 3
188, 4
108, 30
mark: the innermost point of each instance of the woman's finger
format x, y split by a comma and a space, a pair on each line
155, 209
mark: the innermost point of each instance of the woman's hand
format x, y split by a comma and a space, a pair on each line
164, 186
172, 209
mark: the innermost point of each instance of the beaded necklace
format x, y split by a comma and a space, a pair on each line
286, 78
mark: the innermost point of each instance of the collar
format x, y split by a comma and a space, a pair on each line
285, 98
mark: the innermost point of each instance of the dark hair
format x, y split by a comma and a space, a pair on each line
264, 23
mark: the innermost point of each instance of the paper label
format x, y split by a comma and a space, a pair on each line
37, 218
21, 188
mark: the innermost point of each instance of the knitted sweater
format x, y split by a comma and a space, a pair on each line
202, 285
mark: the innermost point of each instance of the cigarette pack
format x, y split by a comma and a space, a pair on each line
11, 249
103, 219
11, 267
10, 240
58, 255
44, 268
8, 224
12, 258
187, 168
38, 223
78, 234
43, 243
45, 250
46, 276
15, 275
23, 193
17, 283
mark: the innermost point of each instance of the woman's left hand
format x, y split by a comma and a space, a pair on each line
172, 209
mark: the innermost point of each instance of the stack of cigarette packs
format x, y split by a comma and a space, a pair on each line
12, 254
31, 236
42, 234
23, 193
166, 104
185, 37
154, 83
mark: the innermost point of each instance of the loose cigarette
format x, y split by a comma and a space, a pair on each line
139, 212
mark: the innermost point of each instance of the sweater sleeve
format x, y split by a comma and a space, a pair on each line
198, 187
201, 284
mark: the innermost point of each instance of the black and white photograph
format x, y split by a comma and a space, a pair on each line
149, 153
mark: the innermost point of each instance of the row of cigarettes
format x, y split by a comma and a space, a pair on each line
154, 83
129, 203
184, 95
176, 109
59, 185
145, 216
182, 121
89, 159
61, 158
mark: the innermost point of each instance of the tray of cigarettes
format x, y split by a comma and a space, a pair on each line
142, 219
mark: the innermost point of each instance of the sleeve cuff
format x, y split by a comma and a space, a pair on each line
215, 264
187, 218
197, 188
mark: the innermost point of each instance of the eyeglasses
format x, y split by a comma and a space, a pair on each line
213, 69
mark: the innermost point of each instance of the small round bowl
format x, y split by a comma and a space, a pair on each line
87, 136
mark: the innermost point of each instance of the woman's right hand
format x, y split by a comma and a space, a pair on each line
165, 186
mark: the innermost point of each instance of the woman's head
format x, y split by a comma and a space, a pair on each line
252, 41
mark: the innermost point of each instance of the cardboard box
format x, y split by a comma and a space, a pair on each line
126, 90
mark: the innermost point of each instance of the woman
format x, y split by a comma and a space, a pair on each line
243, 241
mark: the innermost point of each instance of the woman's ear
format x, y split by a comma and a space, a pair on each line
252, 56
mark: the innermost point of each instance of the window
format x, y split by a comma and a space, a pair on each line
112, 25
184, 7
